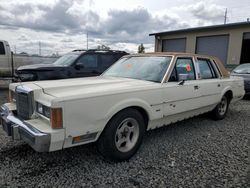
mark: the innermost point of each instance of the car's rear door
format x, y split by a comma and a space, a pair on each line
182, 95
210, 82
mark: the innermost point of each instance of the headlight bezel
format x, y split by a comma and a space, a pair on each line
43, 110
54, 115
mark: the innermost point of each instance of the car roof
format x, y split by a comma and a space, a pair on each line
81, 51
169, 54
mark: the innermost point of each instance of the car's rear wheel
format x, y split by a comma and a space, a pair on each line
122, 136
221, 109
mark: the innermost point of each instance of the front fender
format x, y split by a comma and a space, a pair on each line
150, 110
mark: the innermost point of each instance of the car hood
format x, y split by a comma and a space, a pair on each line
245, 76
38, 67
93, 86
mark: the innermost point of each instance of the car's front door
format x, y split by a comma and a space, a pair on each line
87, 65
181, 93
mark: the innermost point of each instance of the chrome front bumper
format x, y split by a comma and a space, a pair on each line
20, 130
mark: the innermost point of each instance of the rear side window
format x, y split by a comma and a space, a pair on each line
2, 50
89, 61
206, 69
107, 60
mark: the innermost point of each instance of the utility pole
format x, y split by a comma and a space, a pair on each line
15, 48
87, 40
40, 51
225, 16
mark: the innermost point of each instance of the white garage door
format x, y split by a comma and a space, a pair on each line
174, 45
213, 45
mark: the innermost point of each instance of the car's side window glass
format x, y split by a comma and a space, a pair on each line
88, 61
2, 50
206, 69
106, 60
185, 69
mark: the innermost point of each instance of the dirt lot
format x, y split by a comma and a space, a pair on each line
198, 152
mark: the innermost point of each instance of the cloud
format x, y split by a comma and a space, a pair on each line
119, 28
23, 37
207, 11
70, 16
67, 40
41, 17
133, 25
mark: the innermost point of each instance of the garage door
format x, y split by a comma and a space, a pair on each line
213, 45
174, 45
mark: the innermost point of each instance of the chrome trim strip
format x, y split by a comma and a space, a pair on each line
192, 98
156, 104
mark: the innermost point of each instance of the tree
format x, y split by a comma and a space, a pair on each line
103, 47
141, 48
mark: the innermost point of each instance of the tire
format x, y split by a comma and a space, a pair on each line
221, 109
122, 136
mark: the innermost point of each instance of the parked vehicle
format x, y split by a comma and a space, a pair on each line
138, 93
9, 61
79, 63
243, 71
6, 60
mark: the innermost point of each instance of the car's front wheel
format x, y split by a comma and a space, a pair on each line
221, 109
122, 136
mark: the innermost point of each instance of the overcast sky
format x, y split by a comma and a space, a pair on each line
61, 25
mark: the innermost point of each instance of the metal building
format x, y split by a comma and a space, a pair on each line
229, 42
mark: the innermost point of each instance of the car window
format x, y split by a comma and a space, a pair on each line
184, 67
107, 60
141, 68
206, 69
2, 50
88, 61
66, 60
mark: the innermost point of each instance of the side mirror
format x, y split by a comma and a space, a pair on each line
182, 78
79, 66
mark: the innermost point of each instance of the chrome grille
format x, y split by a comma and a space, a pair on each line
24, 103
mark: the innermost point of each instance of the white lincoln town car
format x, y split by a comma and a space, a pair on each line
138, 93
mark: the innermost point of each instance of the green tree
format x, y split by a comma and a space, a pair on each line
141, 48
103, 47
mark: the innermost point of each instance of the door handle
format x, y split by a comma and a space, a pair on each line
196, 87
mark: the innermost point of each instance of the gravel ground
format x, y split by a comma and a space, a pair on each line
198, 152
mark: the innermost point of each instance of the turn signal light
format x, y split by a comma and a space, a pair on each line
56, 118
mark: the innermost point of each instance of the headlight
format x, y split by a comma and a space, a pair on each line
43, 110
27, 76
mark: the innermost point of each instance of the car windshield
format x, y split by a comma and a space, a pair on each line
242, 69
142, 68
66, 60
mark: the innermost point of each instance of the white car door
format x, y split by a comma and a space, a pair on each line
210, 83
181, 93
